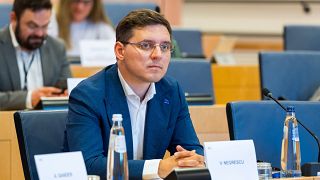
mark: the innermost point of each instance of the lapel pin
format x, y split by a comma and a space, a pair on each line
166, 101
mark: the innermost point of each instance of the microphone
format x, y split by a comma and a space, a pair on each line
306, 7
268, 94
308, 169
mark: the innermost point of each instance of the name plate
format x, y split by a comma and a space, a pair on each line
229, 160
97, 52
58, 166
73, 82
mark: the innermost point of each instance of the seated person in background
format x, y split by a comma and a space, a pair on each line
155, 113
82, 19
31, 63
53, 25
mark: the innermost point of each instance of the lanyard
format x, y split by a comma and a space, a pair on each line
26, 69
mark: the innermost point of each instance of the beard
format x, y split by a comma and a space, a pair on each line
32, 42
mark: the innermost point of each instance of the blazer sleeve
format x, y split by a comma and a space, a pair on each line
84, 132
184, 133
12, 100
65, 71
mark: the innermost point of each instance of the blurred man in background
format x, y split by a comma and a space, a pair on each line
32, 64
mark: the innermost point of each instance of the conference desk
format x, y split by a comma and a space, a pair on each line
79, 71
235, 82
209, 121
10, 162
302, 178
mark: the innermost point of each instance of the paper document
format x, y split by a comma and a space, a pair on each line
97, 52
72, 83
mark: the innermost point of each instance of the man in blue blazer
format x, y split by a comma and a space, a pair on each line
155, 113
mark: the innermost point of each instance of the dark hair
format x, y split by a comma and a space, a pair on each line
139, 19
19, 6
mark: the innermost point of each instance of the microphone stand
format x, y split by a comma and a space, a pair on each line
309, 131
308, 169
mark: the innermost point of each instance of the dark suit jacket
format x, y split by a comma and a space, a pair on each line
94, 100
55, 69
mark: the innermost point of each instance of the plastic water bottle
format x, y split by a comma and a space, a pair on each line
117, 163
290, 151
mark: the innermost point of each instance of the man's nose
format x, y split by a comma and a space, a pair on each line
40, 32
156, 52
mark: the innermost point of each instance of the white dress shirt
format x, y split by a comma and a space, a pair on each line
137, 110
30, 62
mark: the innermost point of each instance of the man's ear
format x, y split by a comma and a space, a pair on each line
13, 19
119, 50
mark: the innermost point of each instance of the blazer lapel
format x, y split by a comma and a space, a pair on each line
116, 103
11, 59
47, 70
157, 120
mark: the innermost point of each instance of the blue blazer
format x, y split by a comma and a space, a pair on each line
94, 100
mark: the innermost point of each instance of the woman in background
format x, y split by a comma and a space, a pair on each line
82, 19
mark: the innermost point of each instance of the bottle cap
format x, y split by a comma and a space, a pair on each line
117, 117
290, 109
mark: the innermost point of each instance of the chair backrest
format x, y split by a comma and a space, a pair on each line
302, 37
195, 78
292, 75
39, 132
116, 11
263, 121
5, 10
189, 42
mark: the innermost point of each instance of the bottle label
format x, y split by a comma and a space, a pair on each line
111, 140
285, 132
295, 134
120, 144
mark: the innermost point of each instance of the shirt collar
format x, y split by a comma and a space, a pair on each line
129, 92
13, 37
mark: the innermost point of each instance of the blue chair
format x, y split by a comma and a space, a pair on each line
302, 37
5, 10
195, 78
189, 42
39, 132
116, 11
291, 75
262, 121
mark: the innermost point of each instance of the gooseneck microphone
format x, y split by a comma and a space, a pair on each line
311, 168
268, 94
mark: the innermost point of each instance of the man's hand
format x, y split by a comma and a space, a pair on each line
65, 93
194, 160
182, 158
43, 92
166, 166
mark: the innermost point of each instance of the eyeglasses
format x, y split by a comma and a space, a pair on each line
86, 2
35, 27
149, 46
